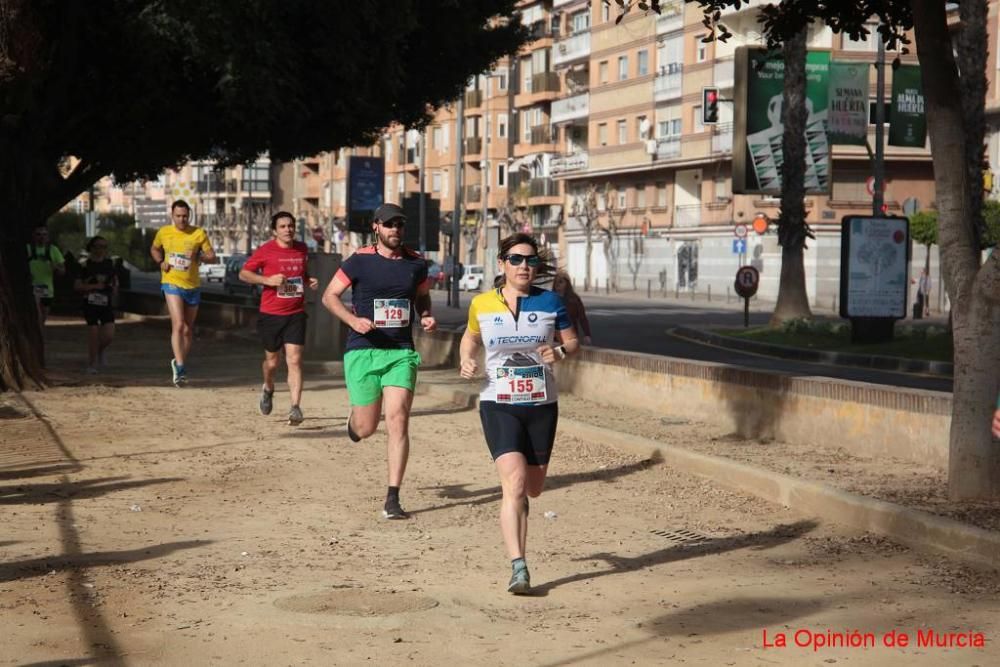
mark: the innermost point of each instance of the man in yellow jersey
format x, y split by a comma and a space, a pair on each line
179, 248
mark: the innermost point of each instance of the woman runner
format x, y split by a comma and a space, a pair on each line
525, 330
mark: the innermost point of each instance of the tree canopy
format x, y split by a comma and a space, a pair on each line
131, 87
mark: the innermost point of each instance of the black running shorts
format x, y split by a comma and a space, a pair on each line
276, 331
95, 315
528, 429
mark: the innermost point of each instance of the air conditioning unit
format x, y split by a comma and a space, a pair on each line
651, 146
562, 48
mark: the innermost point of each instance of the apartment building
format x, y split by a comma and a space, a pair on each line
663, 179
232, 203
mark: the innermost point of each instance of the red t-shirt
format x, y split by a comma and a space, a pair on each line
270, 259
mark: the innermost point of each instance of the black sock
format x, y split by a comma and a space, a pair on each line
393, 494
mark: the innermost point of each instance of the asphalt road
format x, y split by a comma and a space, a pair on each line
634, 323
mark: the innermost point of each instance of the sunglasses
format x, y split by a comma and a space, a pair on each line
393, 224
516, 259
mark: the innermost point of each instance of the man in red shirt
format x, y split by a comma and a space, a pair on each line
280, 267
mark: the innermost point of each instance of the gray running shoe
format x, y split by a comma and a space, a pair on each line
392, 510
520, 581
295, 416
266, 400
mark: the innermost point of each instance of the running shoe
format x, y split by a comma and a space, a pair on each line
350, 431
295, 416
179, 374
520, 581
266, 402
392, 510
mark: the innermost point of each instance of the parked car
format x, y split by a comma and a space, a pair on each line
231, 283
214, 273
472, 279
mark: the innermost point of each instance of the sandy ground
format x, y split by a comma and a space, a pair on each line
149, 525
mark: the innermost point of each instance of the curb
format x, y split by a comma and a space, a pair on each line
941, 369
920, 530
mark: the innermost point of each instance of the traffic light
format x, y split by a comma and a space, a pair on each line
709, 106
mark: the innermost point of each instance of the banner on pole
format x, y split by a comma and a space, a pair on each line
908, 123
847, 115
757, 132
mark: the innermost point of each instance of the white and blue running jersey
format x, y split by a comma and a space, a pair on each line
515, 372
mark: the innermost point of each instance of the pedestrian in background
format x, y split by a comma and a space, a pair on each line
96, 283
563, 286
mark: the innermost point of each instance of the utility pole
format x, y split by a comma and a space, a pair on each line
879, 166
456, 214
423, 204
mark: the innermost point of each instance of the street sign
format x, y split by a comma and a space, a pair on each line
747, 280
740, 231
739, 246
761, 223
910, 205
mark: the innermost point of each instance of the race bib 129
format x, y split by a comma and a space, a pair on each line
392, 313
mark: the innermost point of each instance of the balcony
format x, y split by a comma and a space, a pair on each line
473, 99
473, 145
722, 138
723, 72
540, 29
543, 187
573, 48
568, 163
473, 193
541, 134
545, 82
668, 147
671, 17
211, 184
668, 83
571, 108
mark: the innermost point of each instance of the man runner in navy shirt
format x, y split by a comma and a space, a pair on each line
280, 267
390, 290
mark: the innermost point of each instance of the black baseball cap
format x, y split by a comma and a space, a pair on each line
387, 212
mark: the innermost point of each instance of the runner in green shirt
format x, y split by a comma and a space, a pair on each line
45, 260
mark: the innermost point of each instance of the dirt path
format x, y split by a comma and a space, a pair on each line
146, 525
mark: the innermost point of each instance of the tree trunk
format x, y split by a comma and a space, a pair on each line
793, 301
974, 460
589, 251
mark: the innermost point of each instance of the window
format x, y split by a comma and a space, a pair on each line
641, 127
642, 63
602, 134
502, 79
444, 184
701, 51
401, 183
661, 195
388, 184
436, 181
698, 125
388, 150
501, 175
605, 12
526, 74
622, 68
622, 131
580, 21
436, 138
602, 72
722, 190
622, 200
446, 134
256, 178
502, 125
868, 43
640, 195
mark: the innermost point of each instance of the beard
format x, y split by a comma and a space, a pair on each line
387, 241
